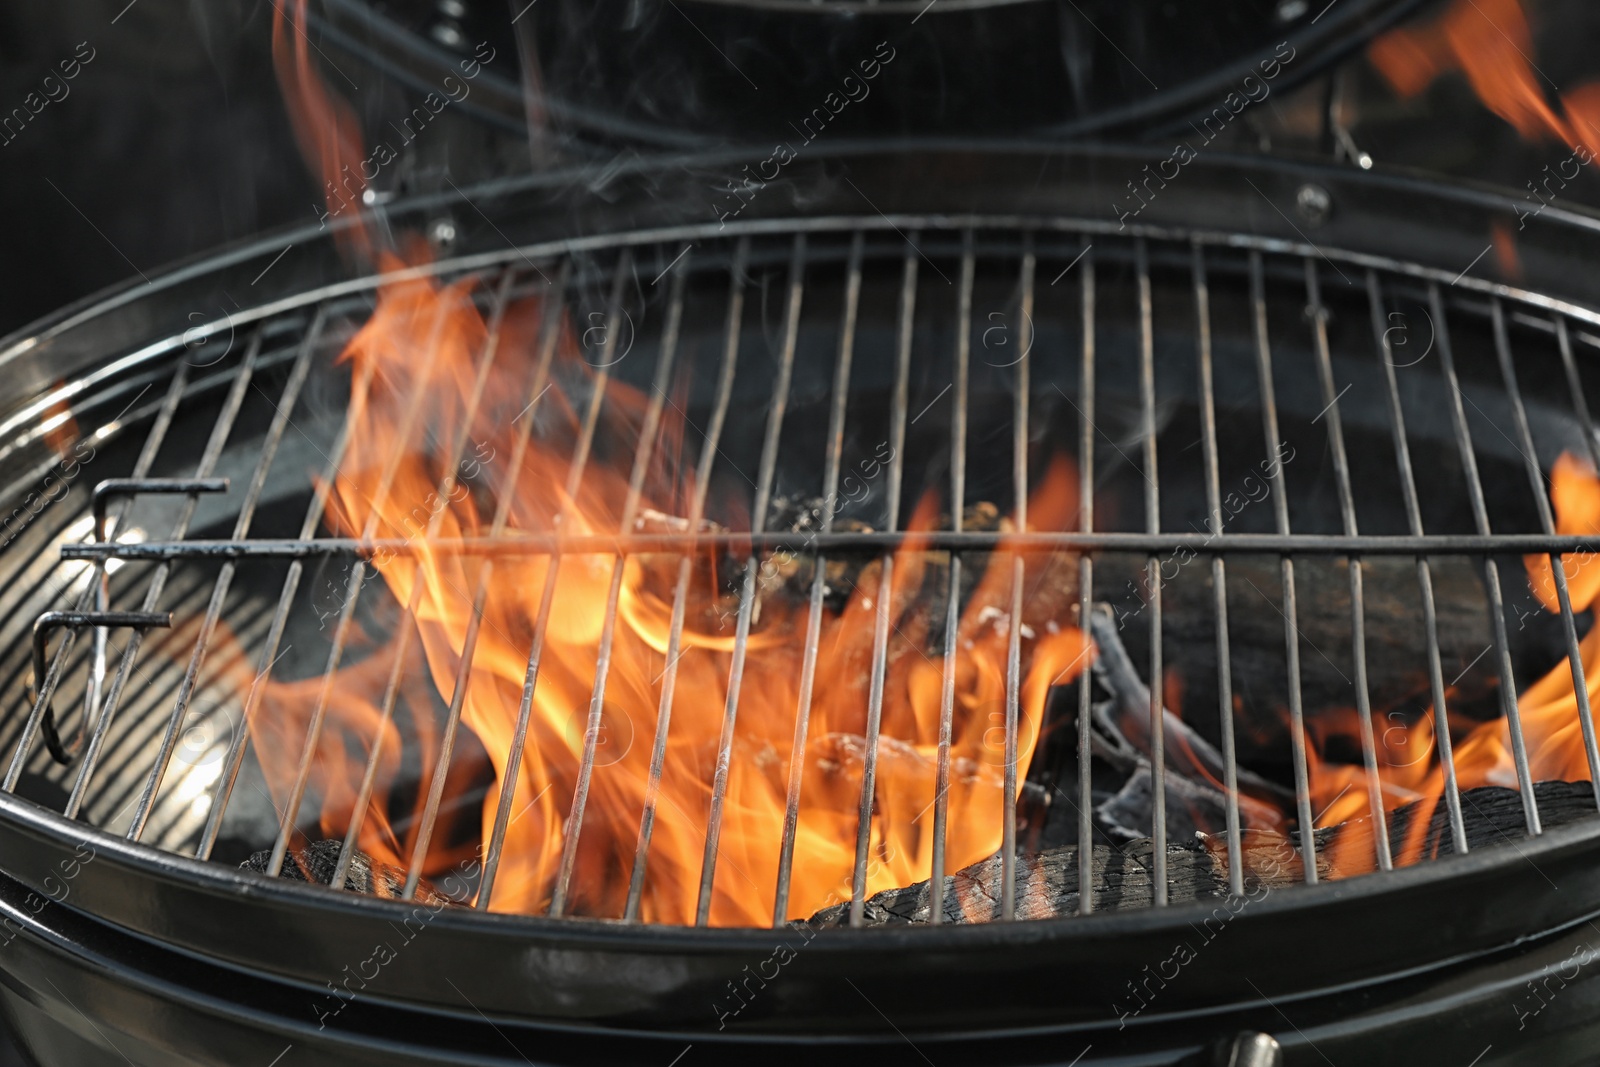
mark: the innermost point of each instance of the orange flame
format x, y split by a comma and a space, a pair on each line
1577, 507
1490, 43
427, 342
416, 369
325, 126
1409, 765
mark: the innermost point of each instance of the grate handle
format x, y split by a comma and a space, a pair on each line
51, 621
113, 488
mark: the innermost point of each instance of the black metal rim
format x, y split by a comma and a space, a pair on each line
1327, 38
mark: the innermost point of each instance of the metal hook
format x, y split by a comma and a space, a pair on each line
104, 493
55, 620
120, 487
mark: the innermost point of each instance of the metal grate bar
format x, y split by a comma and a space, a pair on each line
207, 463
1491, 570
552, 312
697, 504
46, 686
875, 541
1152, 518
224, 580
1430, 615
1219, 573
1291, 627
441, 768
1019, 475
1086, 431
280, 617
952, 624
1575, 388
819, 579
747, 593
882, 621
643, 452
579, 461
1558, 570
1358, 607
352, 595
407, 623
1581, 406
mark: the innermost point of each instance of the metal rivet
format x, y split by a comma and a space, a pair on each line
448, 34
442, 232
1313, 203
1252, 1049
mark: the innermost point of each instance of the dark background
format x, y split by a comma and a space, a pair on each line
173, 140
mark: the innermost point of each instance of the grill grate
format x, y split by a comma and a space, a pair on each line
898, 248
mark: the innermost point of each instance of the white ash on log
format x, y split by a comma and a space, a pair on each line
1047, 882
1121, 737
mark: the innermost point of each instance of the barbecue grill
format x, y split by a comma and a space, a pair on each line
846, 307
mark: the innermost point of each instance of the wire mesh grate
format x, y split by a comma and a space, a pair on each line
1020, 342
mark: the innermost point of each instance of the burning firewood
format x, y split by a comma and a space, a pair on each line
315, 863
1047, 882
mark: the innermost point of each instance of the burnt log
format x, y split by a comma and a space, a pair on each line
1396, 640
316, 862
1047, 882
1396, 646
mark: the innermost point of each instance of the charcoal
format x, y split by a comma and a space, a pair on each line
1052, 579
1047, 886
316, 862
1490, 815
1047, 882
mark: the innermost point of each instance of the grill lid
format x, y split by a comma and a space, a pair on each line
751, 71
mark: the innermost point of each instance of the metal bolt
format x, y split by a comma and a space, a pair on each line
442, 233
448, 34
1313, 203
452, 9
1289, 10
1252, 1049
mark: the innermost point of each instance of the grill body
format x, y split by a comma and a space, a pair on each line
1386, 959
